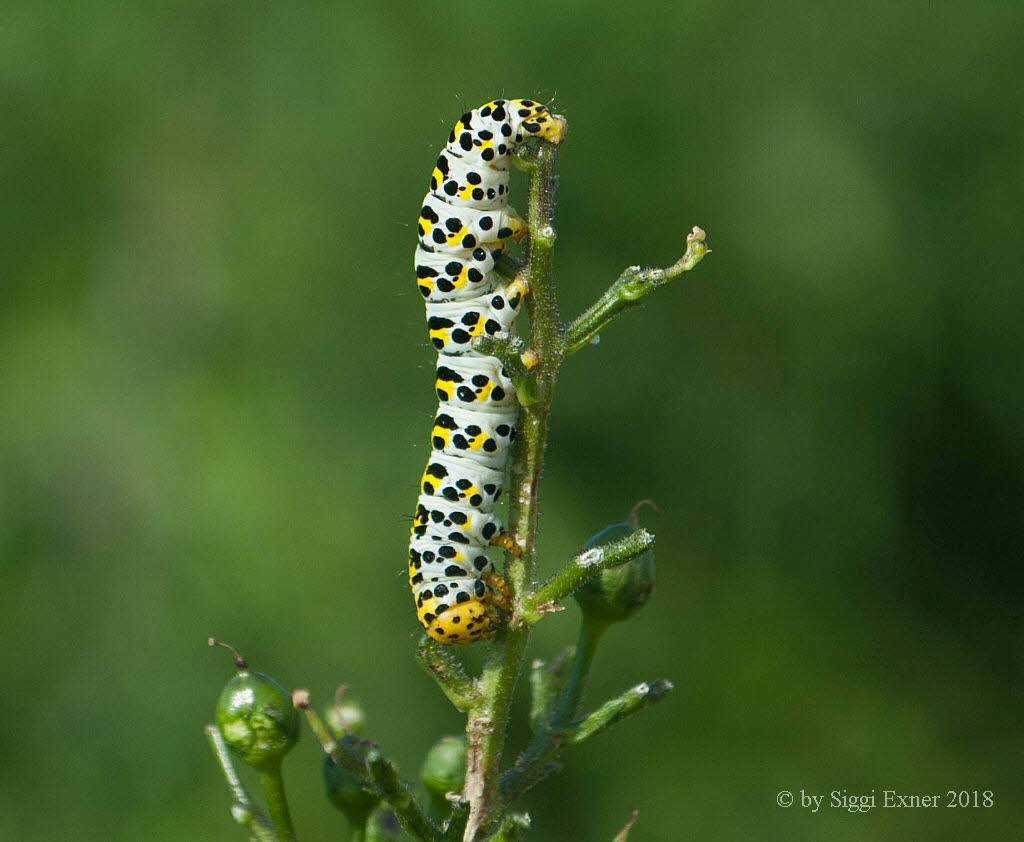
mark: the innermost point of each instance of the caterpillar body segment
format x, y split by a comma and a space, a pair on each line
458, 431
475, 381
453, 325
464, 225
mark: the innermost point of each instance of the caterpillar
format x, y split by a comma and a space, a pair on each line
464, 225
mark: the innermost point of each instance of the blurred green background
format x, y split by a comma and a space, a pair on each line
215, 396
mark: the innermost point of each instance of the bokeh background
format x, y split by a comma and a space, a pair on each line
215, 396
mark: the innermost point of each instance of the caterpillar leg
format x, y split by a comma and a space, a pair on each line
498, 593
517, 288
515, 225
506, 543
529, 359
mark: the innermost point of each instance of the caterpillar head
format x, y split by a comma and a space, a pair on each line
537, 121
492, 131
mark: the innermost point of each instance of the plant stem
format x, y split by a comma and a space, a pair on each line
488, 719
631, 286
591, 632
448, 673
407, 809
542, 693
539, 758
585, 566
547, 741
243, 810
362, 758
617, 709
277, 804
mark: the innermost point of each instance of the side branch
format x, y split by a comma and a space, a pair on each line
617, 709
445, 669
400, 797
541, 756
583, 567
632, 285
364, 759
243, 810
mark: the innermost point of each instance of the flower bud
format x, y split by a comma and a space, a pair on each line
444, 769
345, 717
256, 718
616, 594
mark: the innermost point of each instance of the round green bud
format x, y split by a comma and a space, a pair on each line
255, 716
346, 717
348, 793
444, 769
617, 594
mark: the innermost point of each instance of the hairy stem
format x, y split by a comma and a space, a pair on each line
407, 809
626, 292
617, 709
448, 673
540, 757
585, 566
364, 759
488, 720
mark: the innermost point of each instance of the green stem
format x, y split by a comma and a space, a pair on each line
513, 828
591, 632
617, 709
585, 566
540, 757
277, 803
407, 809
243, 810
626, 292
364, 759
445, 669
488, 720
542, 692
373, 832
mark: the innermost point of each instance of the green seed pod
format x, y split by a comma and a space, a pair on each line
348, 793
617, 594
444, 768
444, 771
256, 718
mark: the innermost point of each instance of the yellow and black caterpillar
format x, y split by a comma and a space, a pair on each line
464, 224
